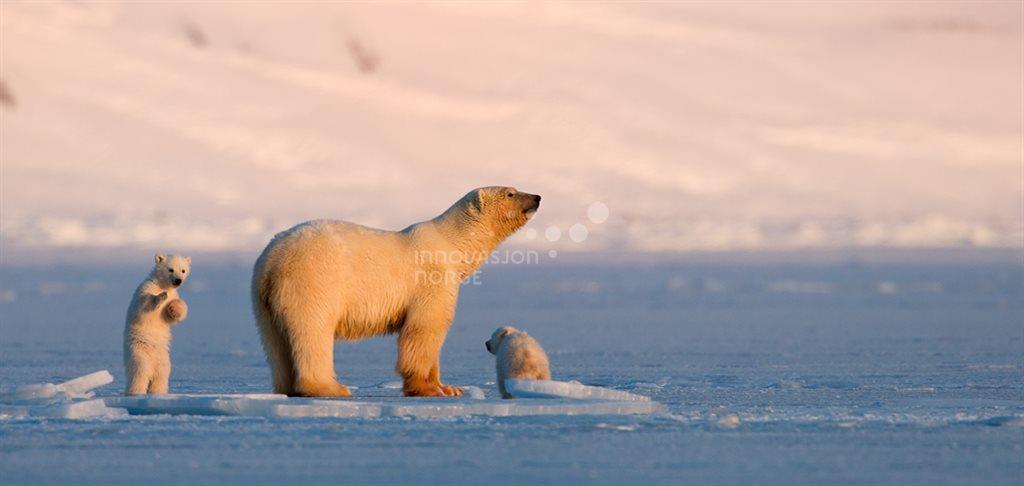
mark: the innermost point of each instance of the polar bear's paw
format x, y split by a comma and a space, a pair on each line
427, 389
424, 391
321, 389
175, 311
422, 388
451, 391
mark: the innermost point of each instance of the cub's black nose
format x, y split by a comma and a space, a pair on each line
536, 198
487, 344
177, 282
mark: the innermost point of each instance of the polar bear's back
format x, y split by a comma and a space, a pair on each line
355, 275
325, 241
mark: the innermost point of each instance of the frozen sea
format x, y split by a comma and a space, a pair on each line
845, 373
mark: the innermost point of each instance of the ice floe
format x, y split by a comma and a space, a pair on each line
258, 405
548, 398
74, 400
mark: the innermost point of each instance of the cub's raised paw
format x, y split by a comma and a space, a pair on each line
175, 310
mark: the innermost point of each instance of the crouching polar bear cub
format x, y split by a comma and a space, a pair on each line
325, 280
517, 356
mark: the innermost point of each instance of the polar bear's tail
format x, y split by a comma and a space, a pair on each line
275, 342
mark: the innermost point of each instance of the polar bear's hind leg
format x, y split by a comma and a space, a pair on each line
161, 378
279, 355
140, 373
312, 357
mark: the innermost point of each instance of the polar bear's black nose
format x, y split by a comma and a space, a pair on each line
536, 199
176, 282
487, 344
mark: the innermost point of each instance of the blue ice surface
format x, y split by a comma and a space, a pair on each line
771, 374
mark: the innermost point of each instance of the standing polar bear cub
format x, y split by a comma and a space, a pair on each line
155, 307
518, 356
325, 280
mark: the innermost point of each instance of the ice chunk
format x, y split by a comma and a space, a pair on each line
370, 407
562, 389
62, 400
473, 392
79, 410
248, 405
88, 382
76, 388
36, 391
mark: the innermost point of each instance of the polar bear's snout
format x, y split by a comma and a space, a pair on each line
529, 202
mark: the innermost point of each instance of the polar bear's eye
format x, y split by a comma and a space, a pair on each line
170, 270
509, 194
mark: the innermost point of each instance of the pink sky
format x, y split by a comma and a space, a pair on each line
701, 126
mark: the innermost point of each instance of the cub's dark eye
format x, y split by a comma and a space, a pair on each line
183, 271
509, 194
170, 270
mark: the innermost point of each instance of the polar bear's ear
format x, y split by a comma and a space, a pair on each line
159, 258
476, 200
188, 260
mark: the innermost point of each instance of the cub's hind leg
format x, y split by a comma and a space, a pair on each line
161, 377
139, 370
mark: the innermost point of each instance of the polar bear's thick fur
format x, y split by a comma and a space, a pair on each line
155, 307
518, 356
325, 280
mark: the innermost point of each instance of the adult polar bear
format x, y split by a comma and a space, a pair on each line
325, 280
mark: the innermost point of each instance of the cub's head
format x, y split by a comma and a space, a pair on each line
499, 335
503, 209
172, 270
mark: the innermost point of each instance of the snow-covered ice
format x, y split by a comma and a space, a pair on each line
562, 389
852, 386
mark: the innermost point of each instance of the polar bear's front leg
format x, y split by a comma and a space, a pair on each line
152, 302
419, 349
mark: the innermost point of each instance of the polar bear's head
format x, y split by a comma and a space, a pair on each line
499, 335
172, 270
503, 210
